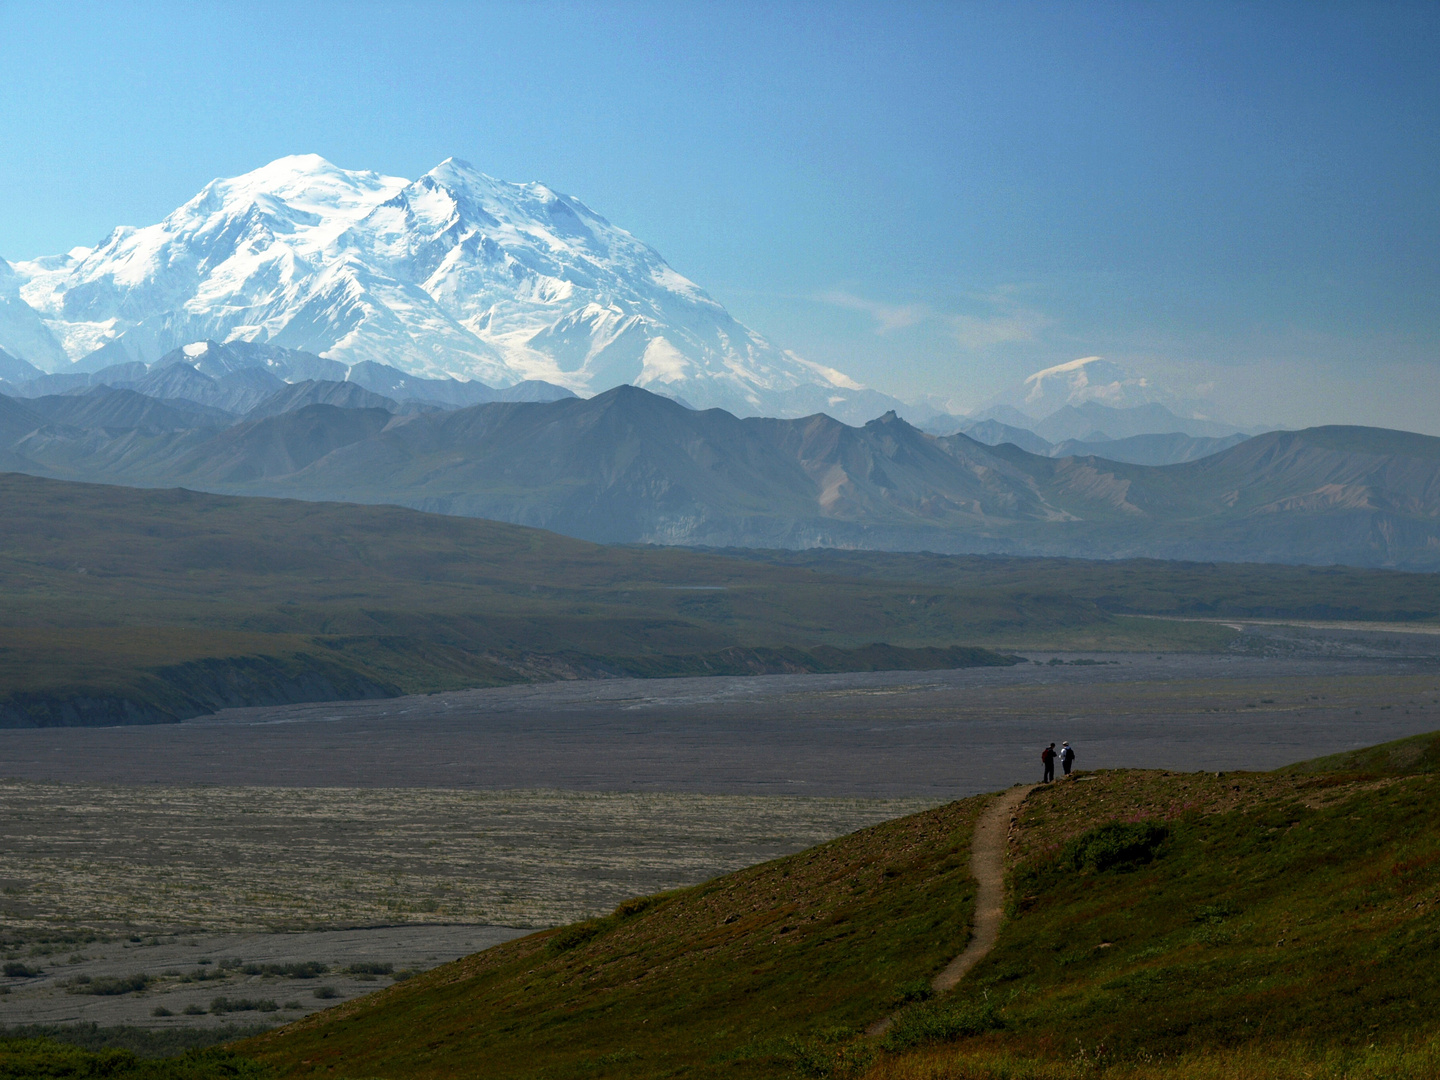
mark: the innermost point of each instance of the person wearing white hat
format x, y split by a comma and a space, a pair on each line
1067, 756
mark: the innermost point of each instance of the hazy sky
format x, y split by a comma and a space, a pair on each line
933, 198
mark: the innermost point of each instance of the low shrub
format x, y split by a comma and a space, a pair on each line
635, 905
947, 1021
572, 937
108, 986
44, 1057
201, 974
222, 1005
144, 1042
325, 992
369, 969
834, 1054
915, 990
16, 970
1116, 845
307, 969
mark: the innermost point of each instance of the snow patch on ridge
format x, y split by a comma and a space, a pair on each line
662, 363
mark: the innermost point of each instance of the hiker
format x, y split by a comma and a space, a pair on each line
1067, 757
1048, 757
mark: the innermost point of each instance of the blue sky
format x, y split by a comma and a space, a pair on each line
936, 199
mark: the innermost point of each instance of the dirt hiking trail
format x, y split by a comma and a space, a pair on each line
987, 867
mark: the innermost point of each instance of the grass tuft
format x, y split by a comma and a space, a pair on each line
941, 1021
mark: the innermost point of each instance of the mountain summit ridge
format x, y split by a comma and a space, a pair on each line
454, 274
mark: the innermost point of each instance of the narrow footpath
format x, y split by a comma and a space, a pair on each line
987, 867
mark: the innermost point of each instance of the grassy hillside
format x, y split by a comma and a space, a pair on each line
36, 1058
1148, 586
1272, 925
132, 605
731, 978
1418, 754
140, 605
1160, 925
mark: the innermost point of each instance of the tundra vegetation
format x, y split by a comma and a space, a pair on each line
128, 606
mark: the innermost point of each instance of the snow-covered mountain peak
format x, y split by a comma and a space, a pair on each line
305, 182
454, 274
1090, 378
1093, 382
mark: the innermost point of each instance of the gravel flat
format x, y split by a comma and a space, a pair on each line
46, 998
887, 734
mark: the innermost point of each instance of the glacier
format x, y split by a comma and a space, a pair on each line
455, 275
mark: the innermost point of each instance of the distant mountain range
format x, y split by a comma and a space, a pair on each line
456, 274
1152, 434
631, 466
237, 377
458, 277
1074, 407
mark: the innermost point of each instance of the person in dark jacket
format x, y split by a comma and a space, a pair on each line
1067, 757
1048, 757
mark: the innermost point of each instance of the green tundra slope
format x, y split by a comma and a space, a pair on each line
125, 605
1247, 925
1159, 924
723, 979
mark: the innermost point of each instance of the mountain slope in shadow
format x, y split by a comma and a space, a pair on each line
631, 466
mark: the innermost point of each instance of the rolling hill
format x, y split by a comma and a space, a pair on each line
1158, 925
128, 605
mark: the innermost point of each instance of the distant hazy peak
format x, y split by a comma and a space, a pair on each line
1093, 381
1091, 378
1068, 367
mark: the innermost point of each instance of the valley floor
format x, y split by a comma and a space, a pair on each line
535, 805
930, 735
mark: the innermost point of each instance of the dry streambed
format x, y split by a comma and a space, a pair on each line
202, 906
214, 980
165, 860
